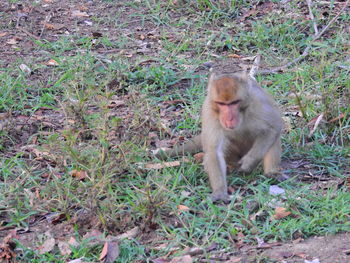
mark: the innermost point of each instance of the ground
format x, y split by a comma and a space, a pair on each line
89, 89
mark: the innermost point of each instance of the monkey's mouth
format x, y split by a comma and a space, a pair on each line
231, 124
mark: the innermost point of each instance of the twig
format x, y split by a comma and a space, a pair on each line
312, 16
306, 50
319, 119
28, 33
47, 20
255, 67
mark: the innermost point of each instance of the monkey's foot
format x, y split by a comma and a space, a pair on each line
220, 196
280, 177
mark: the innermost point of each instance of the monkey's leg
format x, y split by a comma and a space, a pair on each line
272, 158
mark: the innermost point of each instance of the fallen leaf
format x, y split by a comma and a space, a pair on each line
95, 237
301, 255
7, 247
183, 208
233, 260
25, 68
162, 165
51, 62
73, 242
233, 56
109, 252
64, 248
2, 34
78, 13
48, 244
59, 218
55, 26
78, 260
83, 8
115, 104
199, 157
341, 116
182, 259
281, 212
13, 41
129, 234
80, 175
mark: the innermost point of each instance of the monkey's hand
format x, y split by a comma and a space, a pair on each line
247, 164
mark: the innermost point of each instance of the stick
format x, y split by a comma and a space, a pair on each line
319, 119
255, 67
312, 16
306, 50
28, 33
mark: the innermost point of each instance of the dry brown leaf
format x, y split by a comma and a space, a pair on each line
78, 13
80, 175
183, 208
73, 242
234, 260
7, 247
95, 236
64, 248
115, 104
53, 26
51, 62
83, 8
182, 259
2, 34
104, 251
281, 212
199, 157
109, 252
162, 165
129, 234
13, 41
48, 244
48, 1
341, 116
233, 56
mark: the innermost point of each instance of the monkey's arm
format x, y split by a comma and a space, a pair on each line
192, 146
215, 166
262, 144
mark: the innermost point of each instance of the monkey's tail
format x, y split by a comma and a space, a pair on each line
192, 146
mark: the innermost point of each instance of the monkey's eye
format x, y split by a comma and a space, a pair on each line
234, 102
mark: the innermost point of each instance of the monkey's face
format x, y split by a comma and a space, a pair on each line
229, 114
226, 101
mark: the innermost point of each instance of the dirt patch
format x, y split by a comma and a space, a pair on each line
329, 249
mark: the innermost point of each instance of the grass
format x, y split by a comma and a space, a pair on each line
63, 121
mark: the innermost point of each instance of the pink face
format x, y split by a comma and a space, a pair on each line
229, 114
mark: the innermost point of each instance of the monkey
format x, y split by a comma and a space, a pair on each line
241, 126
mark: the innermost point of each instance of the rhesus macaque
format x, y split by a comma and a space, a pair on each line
241, 125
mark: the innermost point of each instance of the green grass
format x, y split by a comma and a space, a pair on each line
112, 144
